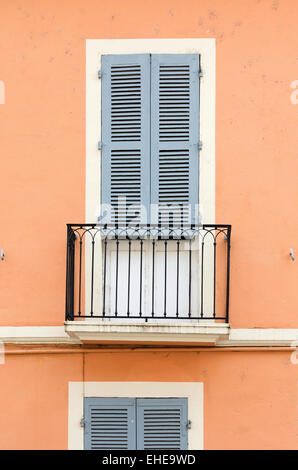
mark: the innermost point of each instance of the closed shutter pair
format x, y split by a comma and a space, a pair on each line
150, 138
135, 423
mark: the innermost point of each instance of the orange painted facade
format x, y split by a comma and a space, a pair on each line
250, 397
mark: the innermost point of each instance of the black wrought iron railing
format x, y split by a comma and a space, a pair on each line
148, 272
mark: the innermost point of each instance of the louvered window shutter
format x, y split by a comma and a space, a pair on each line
126, 136
110, 423
162, 423
175, 136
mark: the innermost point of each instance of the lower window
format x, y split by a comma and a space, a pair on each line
135, 423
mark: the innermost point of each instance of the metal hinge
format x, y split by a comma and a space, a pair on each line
188, 424
200, 145
99, 145
99, 74
82, 422
200, 73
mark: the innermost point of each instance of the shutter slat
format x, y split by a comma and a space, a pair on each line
126, 134
175, 135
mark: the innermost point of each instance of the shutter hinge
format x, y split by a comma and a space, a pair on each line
82, 422
99, 75
188, 424
200, 145
201, 73
99, 145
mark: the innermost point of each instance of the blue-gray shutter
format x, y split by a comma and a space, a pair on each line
126, 134
175, 134
110, 423
162, 423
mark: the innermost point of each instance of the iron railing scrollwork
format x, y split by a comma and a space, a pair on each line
148, 272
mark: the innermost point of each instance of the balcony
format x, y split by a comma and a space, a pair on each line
148, 283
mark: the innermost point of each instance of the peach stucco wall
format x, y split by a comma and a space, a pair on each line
42, 142
250, 398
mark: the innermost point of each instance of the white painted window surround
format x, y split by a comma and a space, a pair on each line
193, 391
95, 48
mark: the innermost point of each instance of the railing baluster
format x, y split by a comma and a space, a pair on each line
189, 280
153, 269
128, 278
202, 280
116, 291
72, 278
68, 315
214, 276
104, 277
177, 286
80, 277
67, 278
92, 277
141, 275
228, 273
165, 286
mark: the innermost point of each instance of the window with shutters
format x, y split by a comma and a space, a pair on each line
150, 138
135, 423
149, 107
150, 175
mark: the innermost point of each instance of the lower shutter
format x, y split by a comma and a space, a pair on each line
135, 423
162, 423
110, 424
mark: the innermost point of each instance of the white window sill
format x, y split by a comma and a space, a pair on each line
197, 332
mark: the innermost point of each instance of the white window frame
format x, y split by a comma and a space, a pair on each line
193, 391
95, 48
